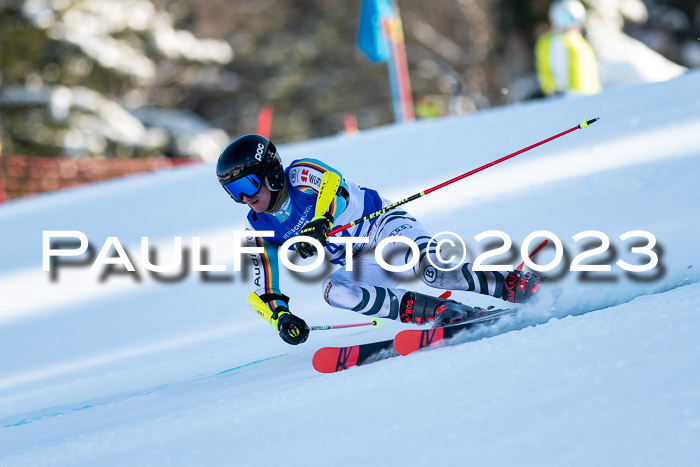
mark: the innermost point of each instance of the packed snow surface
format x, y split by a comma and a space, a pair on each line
106, 367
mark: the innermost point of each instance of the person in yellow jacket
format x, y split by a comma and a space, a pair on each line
565, 62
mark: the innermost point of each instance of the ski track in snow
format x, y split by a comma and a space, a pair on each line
533, 315
598, 369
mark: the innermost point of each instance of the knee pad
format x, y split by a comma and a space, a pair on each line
326, 287
345, 293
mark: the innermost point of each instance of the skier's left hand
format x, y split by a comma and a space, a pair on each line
317, 229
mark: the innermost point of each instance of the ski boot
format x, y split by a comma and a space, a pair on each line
520, 286
422, 309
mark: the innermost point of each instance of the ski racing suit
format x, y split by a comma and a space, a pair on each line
368, 289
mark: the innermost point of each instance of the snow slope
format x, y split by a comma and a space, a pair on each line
135, 370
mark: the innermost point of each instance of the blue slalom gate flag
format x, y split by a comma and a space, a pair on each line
371, 39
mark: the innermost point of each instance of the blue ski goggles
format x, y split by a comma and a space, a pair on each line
249, 185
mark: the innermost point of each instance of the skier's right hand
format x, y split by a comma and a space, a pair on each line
292, 329
316, 229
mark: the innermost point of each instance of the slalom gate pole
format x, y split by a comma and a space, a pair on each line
375, 323
583, 124
534, 252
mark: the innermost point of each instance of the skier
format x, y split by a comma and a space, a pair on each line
283, 201
565, 62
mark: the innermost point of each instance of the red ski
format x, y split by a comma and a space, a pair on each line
412, 340
333, 359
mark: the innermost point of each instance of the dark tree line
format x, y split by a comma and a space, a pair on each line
300, 58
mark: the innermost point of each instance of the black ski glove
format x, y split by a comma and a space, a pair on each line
293, 330
317, 229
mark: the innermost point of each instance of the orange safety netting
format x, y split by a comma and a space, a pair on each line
27, 175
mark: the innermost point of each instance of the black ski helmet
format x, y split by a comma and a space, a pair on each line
251, 154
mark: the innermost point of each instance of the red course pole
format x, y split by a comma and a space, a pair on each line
583, 124
534, 252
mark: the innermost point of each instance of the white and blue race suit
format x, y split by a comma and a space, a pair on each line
368, 289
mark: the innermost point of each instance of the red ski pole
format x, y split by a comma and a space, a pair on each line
583, 124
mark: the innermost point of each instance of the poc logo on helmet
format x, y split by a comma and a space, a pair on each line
259, 152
